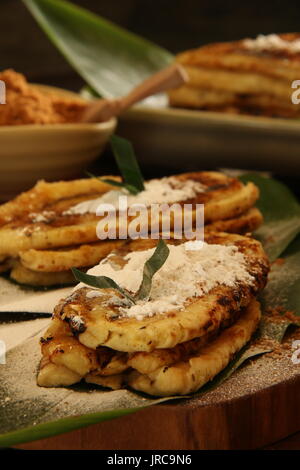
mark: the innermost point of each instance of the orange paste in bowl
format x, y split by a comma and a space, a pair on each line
27, 104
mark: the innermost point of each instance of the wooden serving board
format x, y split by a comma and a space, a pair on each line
257, 406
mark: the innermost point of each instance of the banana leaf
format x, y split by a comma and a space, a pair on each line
283, 292
281, 212
29, 412
109, 58
278, 234
112, 61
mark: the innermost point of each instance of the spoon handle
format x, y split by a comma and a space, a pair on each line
102, 110
171, 77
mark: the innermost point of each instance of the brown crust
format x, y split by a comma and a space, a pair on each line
221, 303
232, 78
218, 184
65, 360
235, 56
224, 198
189, 375
245, 223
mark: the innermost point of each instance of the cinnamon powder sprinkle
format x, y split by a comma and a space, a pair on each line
280, 315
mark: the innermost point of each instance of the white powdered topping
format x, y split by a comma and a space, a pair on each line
157, 191
45, 216
93, 293
77, 321
272, 42
186, 273
194, 245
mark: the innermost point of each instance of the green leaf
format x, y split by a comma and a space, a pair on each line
128, 166
118, 184
281, 213
154, 263
127, 163
283, 292
109, 58
101, 282
34, 412
87, 93
273, 329
54, 428
29, 412
278, 235
110, 181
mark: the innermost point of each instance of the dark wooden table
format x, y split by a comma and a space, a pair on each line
290, 443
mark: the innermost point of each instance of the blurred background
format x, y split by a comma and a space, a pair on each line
173, 24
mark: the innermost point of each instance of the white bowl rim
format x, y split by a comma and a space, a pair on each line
196, 116
106, 125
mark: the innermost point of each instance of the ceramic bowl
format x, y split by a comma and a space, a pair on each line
51, 152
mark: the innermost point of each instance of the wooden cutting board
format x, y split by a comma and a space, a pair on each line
258, 405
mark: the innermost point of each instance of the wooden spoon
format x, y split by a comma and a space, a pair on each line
103, 109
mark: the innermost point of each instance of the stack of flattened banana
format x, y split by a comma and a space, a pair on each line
151, 347
251, 76
43, 235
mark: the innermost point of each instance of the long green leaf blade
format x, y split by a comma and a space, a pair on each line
109, 58
118, 184
110, 181
281, 213
131, 189
154, 263
13, 433
127, 163
54, 428
100, 282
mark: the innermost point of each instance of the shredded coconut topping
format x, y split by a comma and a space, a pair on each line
187, 273
77, 320
77, 323
157, 191
272, 42
45, 216
94, 293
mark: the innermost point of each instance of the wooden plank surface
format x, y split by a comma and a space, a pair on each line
250, 422
290, 443
255, 407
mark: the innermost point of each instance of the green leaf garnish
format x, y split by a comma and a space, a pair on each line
127, 163
110, 181
153, 264
101, 282
281, 212
118, 184
124, 154
109, 58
